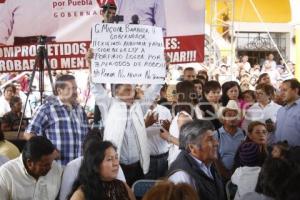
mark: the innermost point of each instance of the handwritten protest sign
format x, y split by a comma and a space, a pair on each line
127, 53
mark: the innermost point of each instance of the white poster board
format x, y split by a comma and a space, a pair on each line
127, 53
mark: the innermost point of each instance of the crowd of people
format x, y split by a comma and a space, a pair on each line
205, 137
226, 132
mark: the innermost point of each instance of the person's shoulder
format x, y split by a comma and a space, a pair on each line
255, 196
74, 164
273, 103
241, 131
254, 106
246, 169
3, 159
298, 103
181, 176
11, 146
11, 166
78, 195
44, 108
161, 108
219, 132
183, 114
7, 115
2, 99
56, 169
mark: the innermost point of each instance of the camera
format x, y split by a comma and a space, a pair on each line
118, 18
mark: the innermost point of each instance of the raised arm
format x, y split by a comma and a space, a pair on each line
102, 98
149, 96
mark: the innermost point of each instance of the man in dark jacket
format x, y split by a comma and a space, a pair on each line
194, 165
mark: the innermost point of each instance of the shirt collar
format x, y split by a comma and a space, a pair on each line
222, 130
22, 166
295, 103
269, 104
200, 163
60, 103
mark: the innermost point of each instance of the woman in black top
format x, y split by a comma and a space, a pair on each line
97, 175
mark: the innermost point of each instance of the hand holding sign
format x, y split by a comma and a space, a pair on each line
88, 56
126, 53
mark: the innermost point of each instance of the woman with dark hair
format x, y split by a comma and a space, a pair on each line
97, 175
249, 158
231, 91
257, 134
280, 150
209, 105
264, 78
198, 85
272, 177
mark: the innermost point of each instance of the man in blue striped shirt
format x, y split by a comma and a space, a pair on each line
62, 120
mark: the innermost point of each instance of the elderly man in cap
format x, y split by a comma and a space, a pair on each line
229, 137
194, 164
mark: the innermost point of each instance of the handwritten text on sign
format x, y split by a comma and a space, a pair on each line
126, 53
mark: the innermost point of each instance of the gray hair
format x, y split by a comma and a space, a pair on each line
191, 131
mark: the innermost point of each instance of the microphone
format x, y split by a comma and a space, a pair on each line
135, 19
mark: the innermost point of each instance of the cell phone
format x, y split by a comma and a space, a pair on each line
269, 121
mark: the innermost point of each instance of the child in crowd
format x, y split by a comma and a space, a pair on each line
280, 150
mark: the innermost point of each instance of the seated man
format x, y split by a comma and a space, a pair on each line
194, 164
11, 120
229, 137
33, 175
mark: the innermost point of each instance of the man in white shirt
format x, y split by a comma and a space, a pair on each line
33, 175
194, 164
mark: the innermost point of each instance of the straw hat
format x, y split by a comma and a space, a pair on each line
231, 105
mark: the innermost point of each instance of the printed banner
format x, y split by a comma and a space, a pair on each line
61, 56
70, 22
128, 53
